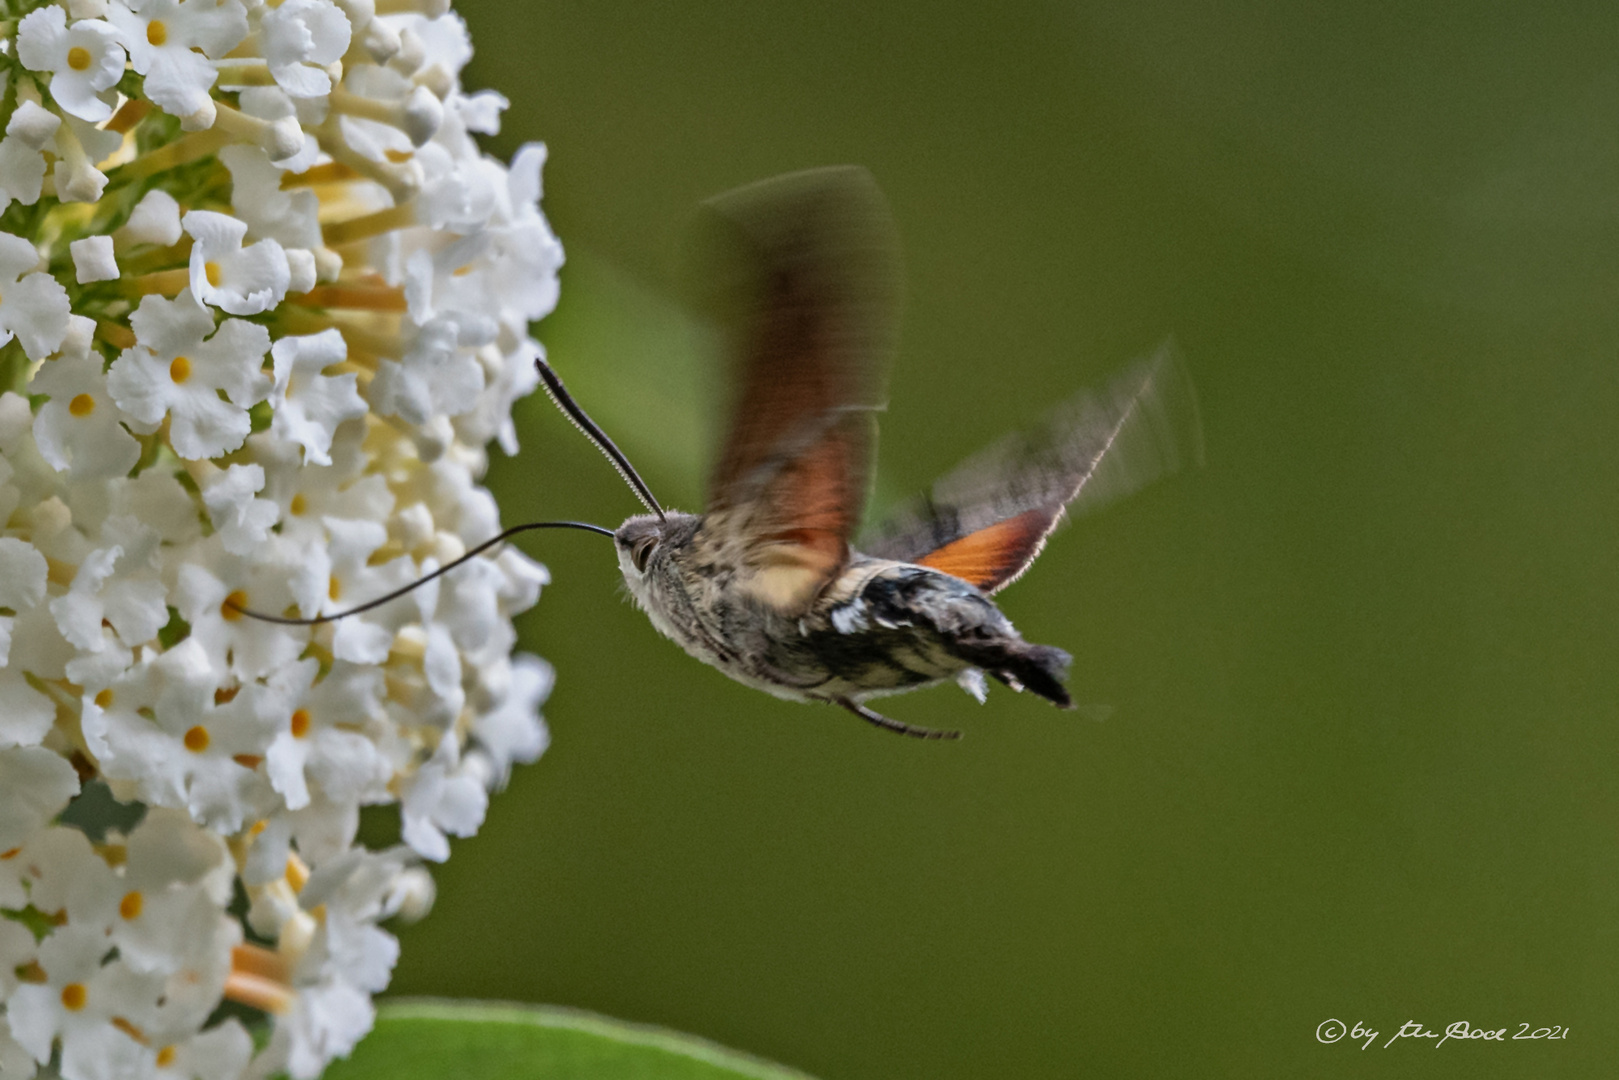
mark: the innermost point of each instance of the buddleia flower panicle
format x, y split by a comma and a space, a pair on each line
263, 305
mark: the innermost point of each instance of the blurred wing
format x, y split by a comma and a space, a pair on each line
987, 520
807, 282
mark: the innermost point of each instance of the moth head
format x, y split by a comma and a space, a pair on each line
645, 543
637, 539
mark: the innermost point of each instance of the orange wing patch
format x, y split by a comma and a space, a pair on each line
996, 554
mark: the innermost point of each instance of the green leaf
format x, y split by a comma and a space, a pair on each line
174, 631
502, 1041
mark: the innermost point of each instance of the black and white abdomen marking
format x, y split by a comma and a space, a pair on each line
906, 626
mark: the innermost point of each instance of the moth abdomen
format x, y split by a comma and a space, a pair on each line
1039, 669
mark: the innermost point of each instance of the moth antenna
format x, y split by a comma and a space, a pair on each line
570, 408
419, 582
895, 726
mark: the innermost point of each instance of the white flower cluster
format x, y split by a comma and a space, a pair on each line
263, 303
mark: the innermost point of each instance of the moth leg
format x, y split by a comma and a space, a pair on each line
894, 725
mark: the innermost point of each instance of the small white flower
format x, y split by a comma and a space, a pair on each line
25, 713
79, 146
37, 1013
35, 784
242, 521
22, 165
77, 429
85, 59
156, 498
22, 585
308, 495
161, 36
513, 378
13, 890
33, 306
14, 1060
67, 878
272, 103
155, 220
459, 193
326, 1022
37, 646
168, 848
174, 371
93, 260
436, 375
309, 406
187, 753
443, 797
444, 40
242, 281
302, 272
299, 38
131, 601
341, 761
17, 948
288, 217
526, 249
162, 931
354, 888
104, 1050
247, 648
346, 569
78, 1003
513, 732
480, 112
220, 1053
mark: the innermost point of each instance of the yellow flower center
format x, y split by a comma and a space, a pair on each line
78, 58
196, 739
104, 699
298, 505
82, 405
214, 274
74, 997
165, 1056
334, 588
130, 906
300, 723
180, 369
156, 32
228, 610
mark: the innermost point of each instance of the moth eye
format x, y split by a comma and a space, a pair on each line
641, 552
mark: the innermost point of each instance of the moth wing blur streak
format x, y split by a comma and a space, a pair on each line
811, 272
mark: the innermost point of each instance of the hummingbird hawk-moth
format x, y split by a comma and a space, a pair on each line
767, 584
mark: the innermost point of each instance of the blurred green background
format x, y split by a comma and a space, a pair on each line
1362, 757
